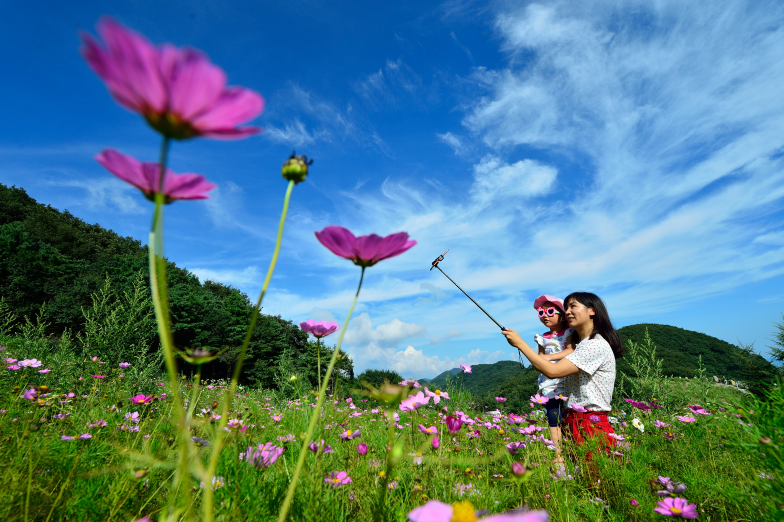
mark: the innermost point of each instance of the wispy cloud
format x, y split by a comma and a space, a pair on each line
390, 86
104, 193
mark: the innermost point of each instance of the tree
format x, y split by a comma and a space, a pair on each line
377, 377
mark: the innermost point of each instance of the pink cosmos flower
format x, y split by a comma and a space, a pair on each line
660, 424
350, 435
98, 424
453, 424
634, 502
124, 364
338, 478
179, 92
45, 370
146, 177
428, 431
411, 382
699, 410
515, 447
141, 399
436, 395
30, 394
595, 419
67, 437
362, 449
437, 511
12, 367
577, 408
519, 469
417, 458
30, 363
676, 507
99, 376
435, 443
500, 399
414, 402
84, 436
320, 447
319, 329
364, 251
539, 399
264, 455
685, 419
466, 368
10, 361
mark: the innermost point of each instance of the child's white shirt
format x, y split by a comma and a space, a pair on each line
552, 343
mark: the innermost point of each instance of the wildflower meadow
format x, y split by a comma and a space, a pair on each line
127, 434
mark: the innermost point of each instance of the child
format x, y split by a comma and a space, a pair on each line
553, 346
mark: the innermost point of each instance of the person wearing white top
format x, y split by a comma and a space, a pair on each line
588, 372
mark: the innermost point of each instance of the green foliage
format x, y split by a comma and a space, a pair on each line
96, 283
646, 369
377, 377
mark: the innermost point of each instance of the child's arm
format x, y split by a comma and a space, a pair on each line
560, 355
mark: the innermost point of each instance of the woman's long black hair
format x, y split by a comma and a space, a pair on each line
601, 320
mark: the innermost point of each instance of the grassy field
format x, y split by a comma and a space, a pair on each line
76, 447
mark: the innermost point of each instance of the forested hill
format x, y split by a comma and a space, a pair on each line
52, 258
680, 350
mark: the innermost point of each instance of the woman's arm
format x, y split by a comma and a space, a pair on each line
560, 355
563, 368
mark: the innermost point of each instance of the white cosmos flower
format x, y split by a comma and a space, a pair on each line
638, 424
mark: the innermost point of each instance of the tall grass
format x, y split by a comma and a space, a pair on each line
731, 470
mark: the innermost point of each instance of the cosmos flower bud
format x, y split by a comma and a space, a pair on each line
518, 469
296, 168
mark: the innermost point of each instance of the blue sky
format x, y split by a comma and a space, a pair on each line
632, 149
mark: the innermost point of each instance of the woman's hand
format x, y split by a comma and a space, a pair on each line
513, 338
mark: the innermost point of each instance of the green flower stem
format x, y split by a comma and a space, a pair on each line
207, 500
382, 493
284, 510
160, 300
194, 393
318, 359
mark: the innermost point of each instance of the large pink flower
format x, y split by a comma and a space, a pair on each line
676, 507
414, 402
319, 329
179, 92
145, 177
363, 250
436, 511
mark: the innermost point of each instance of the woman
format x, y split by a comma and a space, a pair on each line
588, 372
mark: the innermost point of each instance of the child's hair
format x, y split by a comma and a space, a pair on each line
601, 320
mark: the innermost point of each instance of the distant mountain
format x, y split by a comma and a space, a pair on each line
483, 377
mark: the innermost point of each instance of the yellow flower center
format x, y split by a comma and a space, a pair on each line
675, 510
335, 480
382, 473
438, 392
463, 512
419, 454
348, 433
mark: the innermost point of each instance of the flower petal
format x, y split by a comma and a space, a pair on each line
432, 511
338, 240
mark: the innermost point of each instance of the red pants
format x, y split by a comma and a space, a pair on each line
579, 425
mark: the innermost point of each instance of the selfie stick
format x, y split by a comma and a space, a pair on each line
435, 265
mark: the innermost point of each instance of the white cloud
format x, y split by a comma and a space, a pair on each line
493, 179
295, 134
454, 142
105, 193
390, 85
360, 331
414, 363
249, 276
451, 334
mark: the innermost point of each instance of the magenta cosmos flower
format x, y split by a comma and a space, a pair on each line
436, 511
453, 424
338, 478
179, 92
145, 177
428, 431
141, 399
350, 435
364, 251
466, 368
676, 507
319, 329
